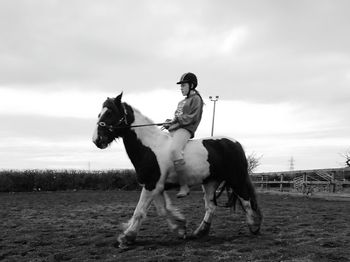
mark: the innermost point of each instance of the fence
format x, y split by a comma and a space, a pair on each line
304, 181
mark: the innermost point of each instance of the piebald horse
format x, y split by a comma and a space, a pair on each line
209, 162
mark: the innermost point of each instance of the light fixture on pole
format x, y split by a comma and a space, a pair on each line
214, 100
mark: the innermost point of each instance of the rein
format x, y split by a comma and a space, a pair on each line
112, 127
124, 121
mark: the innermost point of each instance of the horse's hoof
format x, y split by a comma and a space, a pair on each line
202, 231
192, 237
123, 247
182, 237
254, 229
198, 235
125, 240
180, 228
181, 233
201, 234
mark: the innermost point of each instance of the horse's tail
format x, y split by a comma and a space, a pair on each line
239, 182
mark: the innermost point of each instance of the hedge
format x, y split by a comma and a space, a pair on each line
58, 180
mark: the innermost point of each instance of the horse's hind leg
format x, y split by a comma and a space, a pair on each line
247, 197
132, 227
175, 219
204, 227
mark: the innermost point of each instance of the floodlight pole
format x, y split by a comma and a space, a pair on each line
214, 100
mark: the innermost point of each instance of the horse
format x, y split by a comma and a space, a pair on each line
209, 162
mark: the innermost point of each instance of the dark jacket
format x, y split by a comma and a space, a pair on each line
188, 114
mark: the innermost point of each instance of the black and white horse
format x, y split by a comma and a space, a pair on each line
209, 162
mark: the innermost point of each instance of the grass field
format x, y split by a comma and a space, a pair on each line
83, 226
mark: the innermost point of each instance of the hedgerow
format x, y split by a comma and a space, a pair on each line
57, 180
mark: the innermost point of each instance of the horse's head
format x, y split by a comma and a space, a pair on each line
112, 122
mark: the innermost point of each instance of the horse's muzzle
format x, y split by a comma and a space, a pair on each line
100, 143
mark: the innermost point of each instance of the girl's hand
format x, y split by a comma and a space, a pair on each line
174, 126
167, 123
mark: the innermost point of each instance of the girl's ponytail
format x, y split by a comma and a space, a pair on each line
197, 92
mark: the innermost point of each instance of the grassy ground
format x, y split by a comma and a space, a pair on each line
83, 225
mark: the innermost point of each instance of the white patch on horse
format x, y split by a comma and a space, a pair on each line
195, 154
95, 135
150, 136
197, 166
209, 191
248, 210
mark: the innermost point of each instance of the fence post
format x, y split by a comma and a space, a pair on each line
332, 186
281, 185
304, 183
262, 182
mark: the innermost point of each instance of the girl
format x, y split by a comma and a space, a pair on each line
184, 125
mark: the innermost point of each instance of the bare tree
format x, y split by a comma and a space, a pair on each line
253, 162
346, 155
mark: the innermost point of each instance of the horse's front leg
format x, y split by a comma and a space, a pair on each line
175, 219
204, 228
160, 186
132, 227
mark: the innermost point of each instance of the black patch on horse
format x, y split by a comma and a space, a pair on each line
141, 156
227, 161
143, 159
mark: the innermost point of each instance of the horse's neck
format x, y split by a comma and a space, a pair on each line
149, 136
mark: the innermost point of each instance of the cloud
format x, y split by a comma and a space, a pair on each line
282, 69
46, 128
258, 51
253, 46
68, 42
196, 43
57, 133
58, 101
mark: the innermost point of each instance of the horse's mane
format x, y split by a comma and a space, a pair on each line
146, 119
109, 103
141, 119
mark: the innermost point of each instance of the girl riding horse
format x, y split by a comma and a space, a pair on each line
209, 162
183, 127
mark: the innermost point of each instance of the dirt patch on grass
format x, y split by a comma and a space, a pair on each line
83, 226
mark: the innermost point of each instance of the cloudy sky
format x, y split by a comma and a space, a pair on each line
281, 69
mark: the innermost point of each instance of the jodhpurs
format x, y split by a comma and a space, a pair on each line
180, 139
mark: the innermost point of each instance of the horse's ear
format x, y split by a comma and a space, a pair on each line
118, 99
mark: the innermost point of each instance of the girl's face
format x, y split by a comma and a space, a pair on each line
185, 88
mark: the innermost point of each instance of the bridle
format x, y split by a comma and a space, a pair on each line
113, 127
123, 123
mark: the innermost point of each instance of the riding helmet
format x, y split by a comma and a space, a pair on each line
189, 78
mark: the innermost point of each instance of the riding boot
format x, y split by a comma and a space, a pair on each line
180, 170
